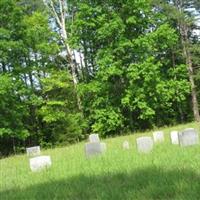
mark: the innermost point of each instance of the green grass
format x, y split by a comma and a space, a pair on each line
168, 172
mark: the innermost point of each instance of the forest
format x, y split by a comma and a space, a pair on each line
69, 68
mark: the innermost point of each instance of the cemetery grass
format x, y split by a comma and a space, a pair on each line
168, 172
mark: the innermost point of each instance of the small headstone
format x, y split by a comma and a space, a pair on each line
188, 137
33, 151
158, 136
39, 163
144, 144
94, 138
94, 148
174, 137
125, 145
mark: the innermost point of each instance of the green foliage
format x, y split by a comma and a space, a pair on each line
38, 35
13, 110
64, 125
135, 79
130, 69
106, 121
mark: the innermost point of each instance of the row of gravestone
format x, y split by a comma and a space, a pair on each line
187, 137
38, 162
144, 144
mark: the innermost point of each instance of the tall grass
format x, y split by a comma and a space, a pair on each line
168, 172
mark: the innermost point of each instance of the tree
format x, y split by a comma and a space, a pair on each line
133, 83
181, 12
60, 11
62, 122
184, 28
138, 60
13, 113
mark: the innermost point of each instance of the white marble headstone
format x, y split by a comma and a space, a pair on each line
174, 137
33, 151
94, 138
94, 148
188, 137
39, 163
158, 136
125, 145
144, 144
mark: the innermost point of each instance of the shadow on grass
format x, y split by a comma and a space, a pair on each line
149, 183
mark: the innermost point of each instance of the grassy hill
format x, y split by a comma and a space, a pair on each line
168, 172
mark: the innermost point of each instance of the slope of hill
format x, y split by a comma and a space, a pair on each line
168, 172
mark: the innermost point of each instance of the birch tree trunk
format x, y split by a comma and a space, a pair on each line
59, 13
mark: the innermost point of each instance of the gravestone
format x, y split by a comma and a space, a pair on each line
33, 151
39, 163
174, 137
158, 136
94, 138
188, 137
125, 145
94, 148
144, 144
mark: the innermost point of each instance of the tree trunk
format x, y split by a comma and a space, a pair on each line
73, 68
60, 19
187, 54
195, 106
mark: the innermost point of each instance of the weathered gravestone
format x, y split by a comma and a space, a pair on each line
94, 138
94, 148
174, 137
39, 163
188, 137
158, 136
33, 151
144, 144
125, 145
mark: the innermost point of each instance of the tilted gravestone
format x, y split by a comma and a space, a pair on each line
125, 145
188, 137
174, 137
94, 138
158, 136
39, 163
94, 148
33, 151
144, 144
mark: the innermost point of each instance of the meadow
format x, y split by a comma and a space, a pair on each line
168, 172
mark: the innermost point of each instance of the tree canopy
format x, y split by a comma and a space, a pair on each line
71, 68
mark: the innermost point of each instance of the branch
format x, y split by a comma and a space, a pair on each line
61, 8
51, 8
